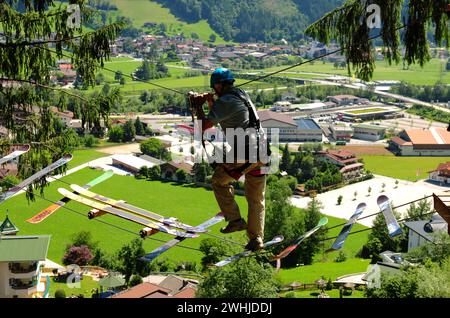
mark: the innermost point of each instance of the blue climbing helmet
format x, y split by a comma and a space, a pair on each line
221, 75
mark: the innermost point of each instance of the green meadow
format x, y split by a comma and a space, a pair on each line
142, 11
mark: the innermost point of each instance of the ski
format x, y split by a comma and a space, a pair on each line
274, 241
164, 248
107, 209
394, 228
17, 152
290, 249
340, 240
55, 207
24, 184
135, 210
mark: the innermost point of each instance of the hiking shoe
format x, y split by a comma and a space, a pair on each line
255, 244
234, 226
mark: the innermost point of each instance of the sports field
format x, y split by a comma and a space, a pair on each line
309, 274
405, 168
366, 111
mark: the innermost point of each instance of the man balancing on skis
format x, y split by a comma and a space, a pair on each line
233, 110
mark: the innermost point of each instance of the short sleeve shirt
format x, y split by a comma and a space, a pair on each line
229, 111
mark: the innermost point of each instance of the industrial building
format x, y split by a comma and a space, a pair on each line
341, 132
369, 132
434, 142
290, 130
370, 113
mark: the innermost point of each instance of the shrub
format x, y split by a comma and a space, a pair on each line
79, 255
290, 295
60, 294
329, 285
135, 280
342, 257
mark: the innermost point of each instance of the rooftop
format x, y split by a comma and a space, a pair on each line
23, 248
367, 126
266, 115
305, 123
427, 228
433, 136
133, 161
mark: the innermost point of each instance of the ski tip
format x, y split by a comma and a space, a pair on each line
62, 191
382, 199
361, 206
278, 238
68, 157
323, 221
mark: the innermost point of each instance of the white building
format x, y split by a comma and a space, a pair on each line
290, 130
421, 232
369, 132
341, 132
441, 174
21, 259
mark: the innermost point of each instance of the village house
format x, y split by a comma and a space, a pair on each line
349, 165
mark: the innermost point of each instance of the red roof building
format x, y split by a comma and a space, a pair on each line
422, 142
349, 166
441, 174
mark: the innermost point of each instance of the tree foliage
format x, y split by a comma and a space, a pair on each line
348, 26
32, 39
78, 255
154, 147
243, 279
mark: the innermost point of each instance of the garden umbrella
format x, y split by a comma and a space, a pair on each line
112, 281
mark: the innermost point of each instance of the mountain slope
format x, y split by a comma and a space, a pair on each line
244, 20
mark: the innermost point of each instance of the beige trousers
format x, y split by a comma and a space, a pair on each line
255, 188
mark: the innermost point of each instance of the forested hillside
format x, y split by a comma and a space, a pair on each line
253, 20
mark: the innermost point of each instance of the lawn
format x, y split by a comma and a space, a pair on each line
310, 273
428, 75
405, 168
352, 245
141, 11
87, 287
82, 156
191, 206
200, 83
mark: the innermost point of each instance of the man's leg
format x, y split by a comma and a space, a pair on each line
255, 188
224, 192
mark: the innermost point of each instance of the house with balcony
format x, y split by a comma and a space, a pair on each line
21, 259
348, 163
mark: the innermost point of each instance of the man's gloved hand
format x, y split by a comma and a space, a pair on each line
199, 99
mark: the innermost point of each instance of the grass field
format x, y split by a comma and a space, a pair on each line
404, 168
366, 111
141, 11
84, 155
431, 73
192, 206
309, 274
87, 288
